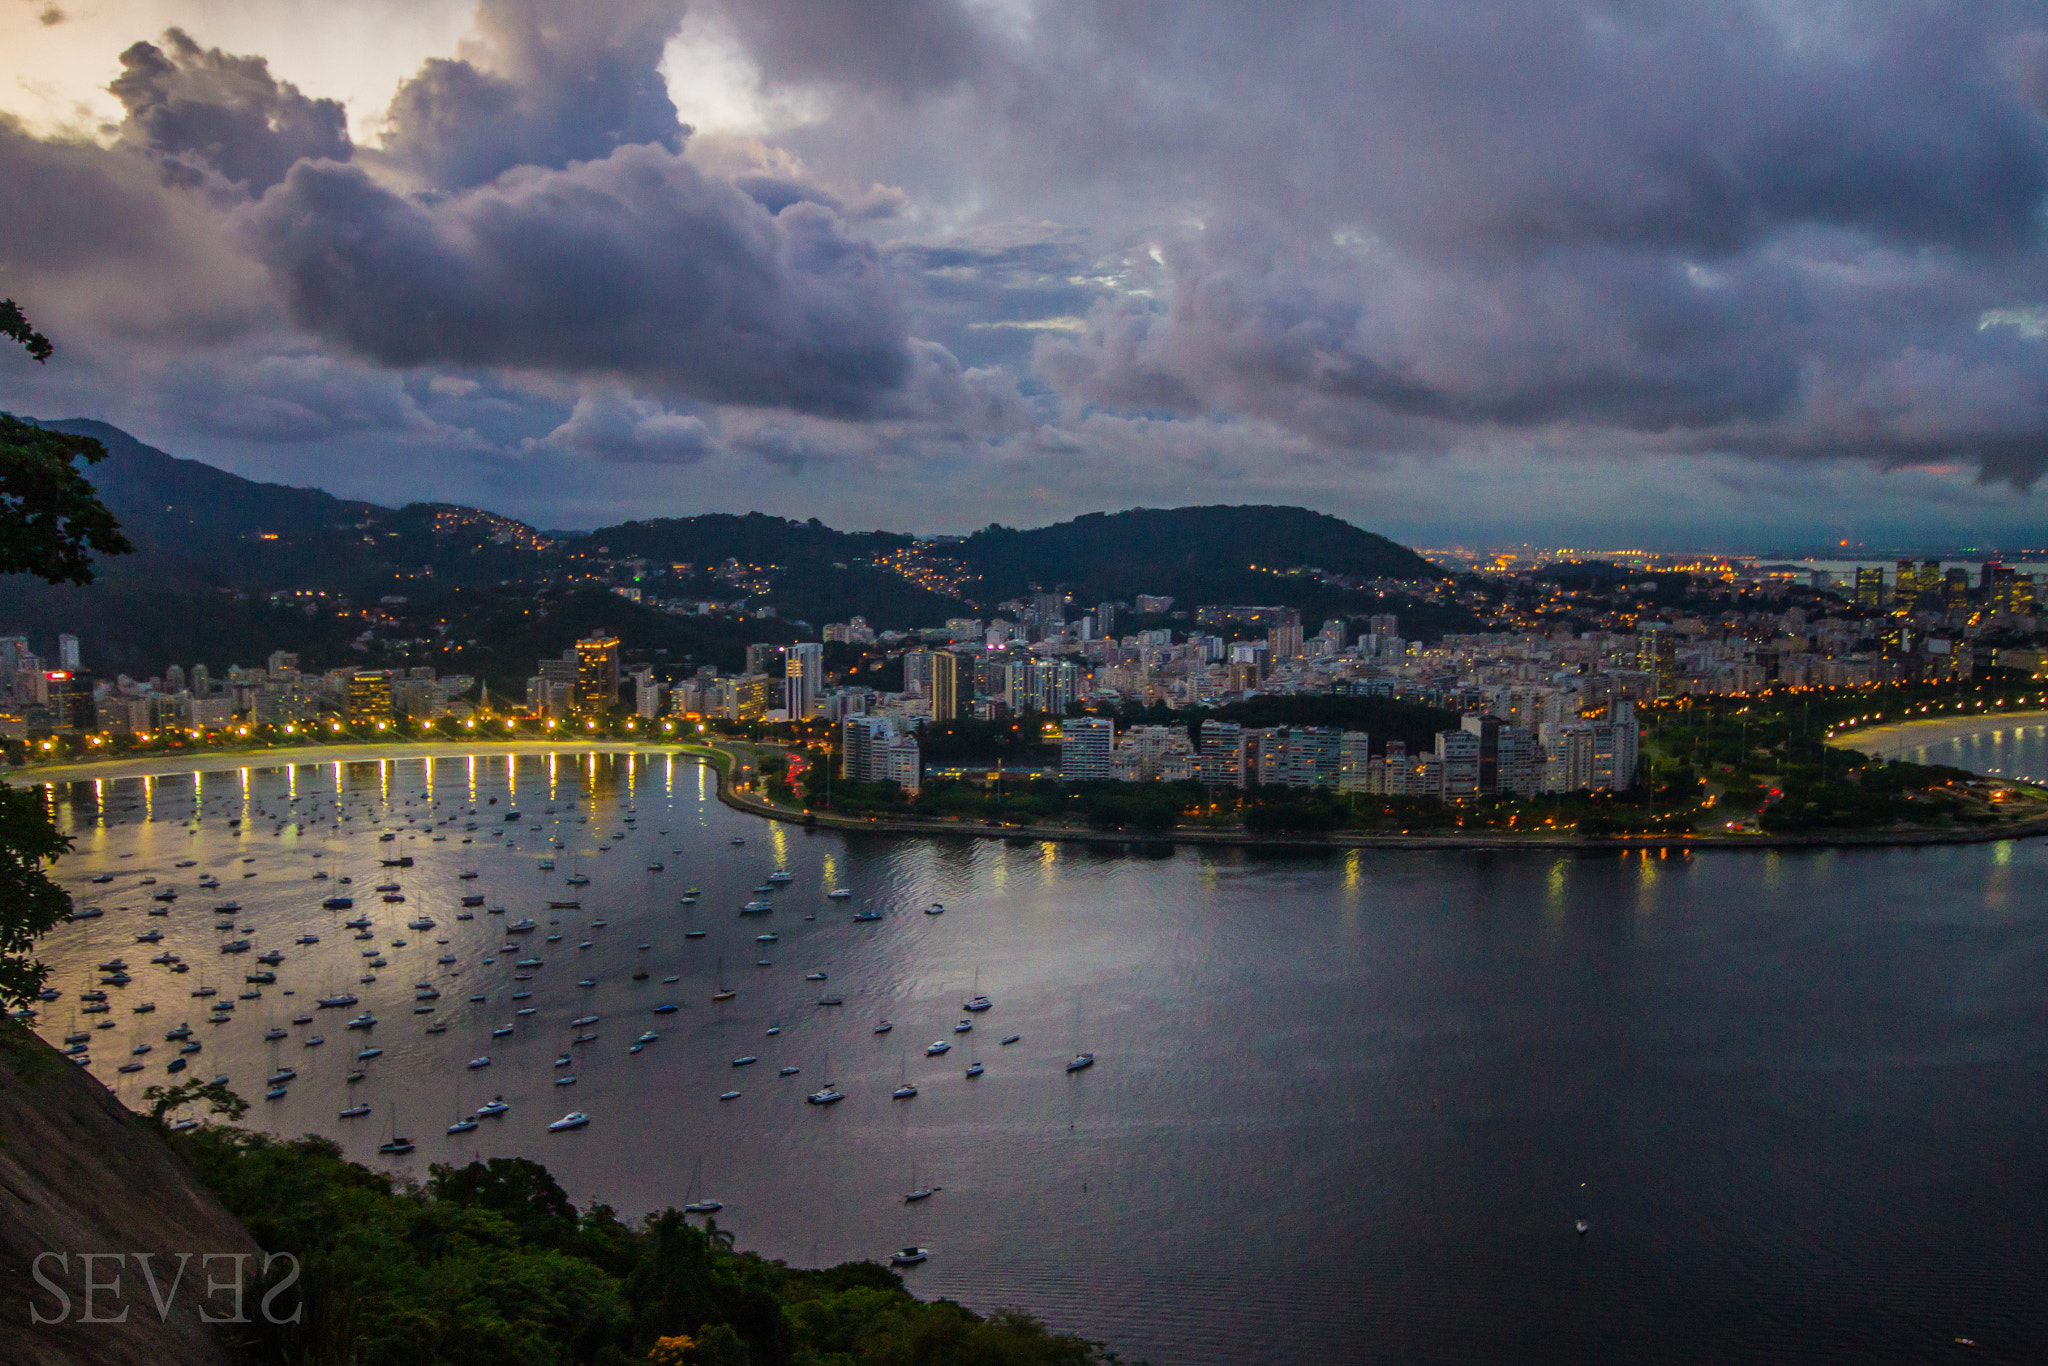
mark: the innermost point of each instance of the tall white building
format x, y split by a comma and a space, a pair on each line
67, 653
1085, 746
1153, 753
873, 750
1222, 762
1458, 750
646, 694
804, 679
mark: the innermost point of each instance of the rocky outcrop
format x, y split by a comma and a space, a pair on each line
81, 1174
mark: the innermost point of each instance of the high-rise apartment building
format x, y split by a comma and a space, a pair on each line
1085, 746
1487, 728
804, 679
1283, 638
597, 673
917, 673
1955, 591
1153, 753
1042, 685
764, 659
646, 694
1354, 761
1458, 751
945, 685
1870, 587
1222, 760
369, 698
873, 750
67, 653
69, 697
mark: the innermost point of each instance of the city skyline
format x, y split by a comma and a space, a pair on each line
1014, 263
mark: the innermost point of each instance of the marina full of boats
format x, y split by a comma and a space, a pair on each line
504, 940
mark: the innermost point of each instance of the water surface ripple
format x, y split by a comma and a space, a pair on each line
1344, 1107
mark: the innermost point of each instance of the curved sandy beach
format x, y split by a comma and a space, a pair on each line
225, 761
1887, 741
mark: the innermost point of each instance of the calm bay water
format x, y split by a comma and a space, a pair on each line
1345, 1108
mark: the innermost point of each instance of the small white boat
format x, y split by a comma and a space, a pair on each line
937, 1047
839, 894
1080, 1061
908, 1256
575, 1119
495, 1106
354, 1112
474, 1063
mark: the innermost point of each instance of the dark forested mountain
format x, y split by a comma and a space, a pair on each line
816, 574
194, 525
1211, 553
198, 529
754, 538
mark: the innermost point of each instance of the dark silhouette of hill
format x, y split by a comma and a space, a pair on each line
197, 528
1211, 554
194, 525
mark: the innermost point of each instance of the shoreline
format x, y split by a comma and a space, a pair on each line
1244, 839
167, 766
1892, 738
298, 756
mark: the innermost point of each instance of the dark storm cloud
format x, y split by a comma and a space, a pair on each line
1416, 227
103, 254
201, 110
636, 266
904, 47
547, 85
1281, 242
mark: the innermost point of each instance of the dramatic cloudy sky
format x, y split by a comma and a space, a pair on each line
1671, 272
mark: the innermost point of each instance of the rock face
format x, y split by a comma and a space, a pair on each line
80, 1173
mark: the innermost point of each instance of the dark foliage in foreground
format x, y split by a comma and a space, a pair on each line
491, 1264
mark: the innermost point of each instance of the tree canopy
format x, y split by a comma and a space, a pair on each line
51, 524
14, 326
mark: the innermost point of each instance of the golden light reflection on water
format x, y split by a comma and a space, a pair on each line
1554, 887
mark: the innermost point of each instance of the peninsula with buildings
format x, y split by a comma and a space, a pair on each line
1077, 677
